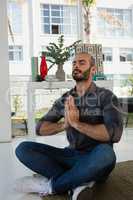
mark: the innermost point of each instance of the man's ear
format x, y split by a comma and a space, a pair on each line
93, 70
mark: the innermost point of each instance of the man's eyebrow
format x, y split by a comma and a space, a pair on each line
82, 60
74, 62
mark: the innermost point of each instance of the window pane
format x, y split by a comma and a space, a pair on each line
19, 47
20, 55
46, 20
66, 12
107, 54
15, 16
74, 20
55, 7
66, 20
66, 29
10, 56
61, 29
62, 19
15, 53
73, 11
115, 22
62, 13
129, 57
126, 55
74, 29
108, 58
55, 13
122, 58
44, 6
45, 12
47, 29
55, 29
56, 20
10, 47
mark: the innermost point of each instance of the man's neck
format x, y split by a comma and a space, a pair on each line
82, 87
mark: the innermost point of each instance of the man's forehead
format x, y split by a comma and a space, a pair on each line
82, 56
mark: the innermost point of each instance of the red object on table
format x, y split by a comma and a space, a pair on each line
43, 67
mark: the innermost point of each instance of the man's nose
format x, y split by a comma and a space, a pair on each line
76, 66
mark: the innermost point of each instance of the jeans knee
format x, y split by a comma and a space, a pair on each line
107, 153
21, 150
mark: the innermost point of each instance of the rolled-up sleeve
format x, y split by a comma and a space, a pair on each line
112, 115
53, 115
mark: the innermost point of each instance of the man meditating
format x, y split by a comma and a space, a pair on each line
92, 121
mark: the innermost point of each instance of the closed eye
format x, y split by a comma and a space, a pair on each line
82, 62
74, 63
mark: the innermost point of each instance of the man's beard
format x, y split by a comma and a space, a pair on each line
79, 76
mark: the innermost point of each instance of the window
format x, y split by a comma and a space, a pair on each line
126, 55
15, 17
107, 55
58, 19
55, 29
15, 53
115, 22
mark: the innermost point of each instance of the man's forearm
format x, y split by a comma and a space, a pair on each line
49, 128
97, 132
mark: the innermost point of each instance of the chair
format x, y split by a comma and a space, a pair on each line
24, 121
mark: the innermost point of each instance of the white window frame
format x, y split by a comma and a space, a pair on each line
61, 24
115, 32
107, 51
124, 52
15, 49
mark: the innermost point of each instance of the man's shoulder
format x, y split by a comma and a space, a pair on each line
104, 90
106, 95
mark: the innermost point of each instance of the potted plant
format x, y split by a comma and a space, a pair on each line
57, 54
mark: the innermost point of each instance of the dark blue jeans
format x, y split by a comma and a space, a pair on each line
67, 168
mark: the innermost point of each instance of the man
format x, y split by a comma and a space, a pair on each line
92, 122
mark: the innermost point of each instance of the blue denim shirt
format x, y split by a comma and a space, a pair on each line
96, 106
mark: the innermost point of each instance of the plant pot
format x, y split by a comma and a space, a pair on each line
60, 74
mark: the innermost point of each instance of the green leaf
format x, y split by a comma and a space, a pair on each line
88, 3
58, 53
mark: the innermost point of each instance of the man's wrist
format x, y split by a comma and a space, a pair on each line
75, 124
